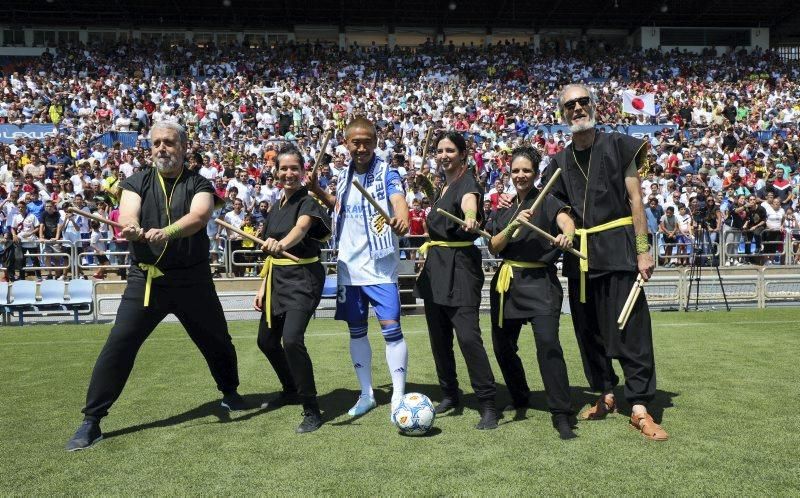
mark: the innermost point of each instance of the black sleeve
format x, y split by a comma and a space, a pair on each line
470, 186
201, 184
559, 190
321, 228
552, 207
134, 183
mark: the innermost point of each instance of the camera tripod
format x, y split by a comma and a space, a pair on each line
696, 268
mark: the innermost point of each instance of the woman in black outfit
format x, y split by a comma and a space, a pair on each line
451, 280
526, 289
290, 292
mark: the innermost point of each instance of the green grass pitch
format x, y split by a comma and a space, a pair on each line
728, 389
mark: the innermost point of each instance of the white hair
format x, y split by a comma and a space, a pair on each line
170, 125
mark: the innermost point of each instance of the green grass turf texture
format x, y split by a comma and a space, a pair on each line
728, 390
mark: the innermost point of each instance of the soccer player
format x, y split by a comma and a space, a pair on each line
369, 256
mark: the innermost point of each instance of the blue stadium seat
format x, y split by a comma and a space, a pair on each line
52, 292
22, 298
80, 296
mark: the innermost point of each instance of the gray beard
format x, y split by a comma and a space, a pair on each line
166, 165
579, 128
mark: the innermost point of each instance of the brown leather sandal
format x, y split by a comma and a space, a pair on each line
602, 407
648, 427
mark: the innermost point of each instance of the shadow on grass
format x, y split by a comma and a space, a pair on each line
211, 408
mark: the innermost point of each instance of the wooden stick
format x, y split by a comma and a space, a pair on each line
549, 237
426, 142
94, 217
372, 201
633, 295
486, 235
255, 239
321, 152
542, 194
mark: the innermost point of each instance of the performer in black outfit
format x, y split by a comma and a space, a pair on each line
526, 289
296, 224
451, 280
600, 182
165, 210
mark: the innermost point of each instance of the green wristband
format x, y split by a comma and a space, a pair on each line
173, 231
642, 245
510, 229
470, 215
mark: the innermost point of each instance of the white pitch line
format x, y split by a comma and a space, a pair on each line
344, 333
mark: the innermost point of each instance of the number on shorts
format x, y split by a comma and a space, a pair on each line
341, 295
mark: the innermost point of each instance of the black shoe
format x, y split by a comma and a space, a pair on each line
311, 422
447, 404
564, 424
517, 405
233, 402
488, 416
86, 435
282, 399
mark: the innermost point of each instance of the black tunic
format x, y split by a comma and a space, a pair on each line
185, 259
605, 200
298, 287
533, 291
452, 276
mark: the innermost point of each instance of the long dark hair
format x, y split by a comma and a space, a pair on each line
454, 137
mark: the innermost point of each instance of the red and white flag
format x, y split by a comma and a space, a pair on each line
638, 104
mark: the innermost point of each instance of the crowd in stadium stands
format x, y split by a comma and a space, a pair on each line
712, 178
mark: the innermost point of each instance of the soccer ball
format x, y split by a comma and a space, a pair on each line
414, 415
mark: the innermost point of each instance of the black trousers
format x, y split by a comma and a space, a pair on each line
291, 360
600, 340
198, 309
464, 319
549, 354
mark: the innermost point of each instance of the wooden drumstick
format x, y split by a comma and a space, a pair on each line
255, 239
542, 194
100, 219
549, 237
486, 235
321, 152
371, 200
633, 295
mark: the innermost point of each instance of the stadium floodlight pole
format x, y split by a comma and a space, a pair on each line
255, 239
542, 194
372, 201
483, 233
633, 295
321, 152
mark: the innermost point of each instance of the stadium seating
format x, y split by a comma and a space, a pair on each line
80, 296
22, 298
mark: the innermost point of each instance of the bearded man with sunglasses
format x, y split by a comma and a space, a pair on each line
600, 181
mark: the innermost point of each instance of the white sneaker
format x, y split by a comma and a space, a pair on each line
362, 406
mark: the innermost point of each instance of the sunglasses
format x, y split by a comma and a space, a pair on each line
583, 101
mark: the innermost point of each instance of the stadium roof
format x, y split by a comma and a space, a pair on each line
781, 16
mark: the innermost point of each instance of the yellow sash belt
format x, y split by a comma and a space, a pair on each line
441, 243
266, 272
152, 272
582, 233
504, 276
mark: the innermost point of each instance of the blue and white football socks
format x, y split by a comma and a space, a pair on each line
361, 355
397, 360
